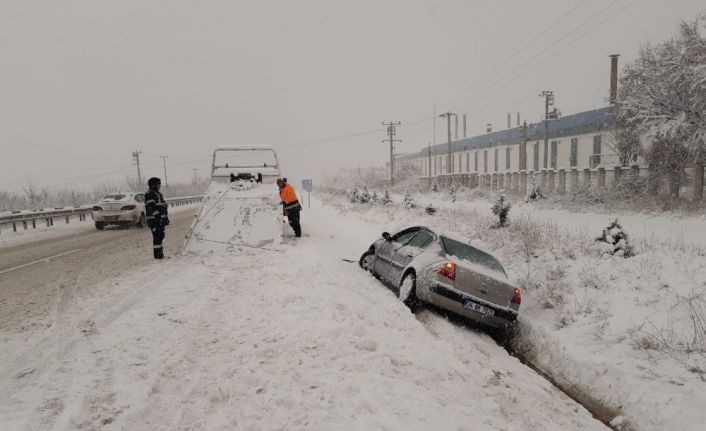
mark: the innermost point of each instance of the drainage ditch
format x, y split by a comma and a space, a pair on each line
601, 412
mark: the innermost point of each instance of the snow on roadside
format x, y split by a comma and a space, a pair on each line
268, 340
619, 330
60, 228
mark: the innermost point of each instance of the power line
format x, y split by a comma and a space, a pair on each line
524, 71
511, 56
489, 88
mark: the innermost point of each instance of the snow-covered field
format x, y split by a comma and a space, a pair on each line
626, 334
259, 340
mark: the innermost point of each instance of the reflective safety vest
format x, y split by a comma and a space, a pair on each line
288, 196
156, 208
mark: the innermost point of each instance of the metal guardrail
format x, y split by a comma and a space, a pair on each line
27, 218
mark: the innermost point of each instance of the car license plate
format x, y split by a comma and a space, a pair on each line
111, 218
477, 307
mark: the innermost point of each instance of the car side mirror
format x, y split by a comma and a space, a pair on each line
386, 236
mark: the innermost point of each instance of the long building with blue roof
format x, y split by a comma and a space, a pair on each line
573, 143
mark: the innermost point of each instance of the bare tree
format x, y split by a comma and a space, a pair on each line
624, 140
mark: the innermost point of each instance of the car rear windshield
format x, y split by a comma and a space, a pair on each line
115, 198
471, 254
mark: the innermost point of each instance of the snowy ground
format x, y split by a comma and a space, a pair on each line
628, 334
260, 340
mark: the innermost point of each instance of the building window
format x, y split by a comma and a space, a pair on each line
485, 160
507, 158
573, 158
545, 159
468, 162
535, 161
555, 144
475, 161
496, 160
596, 158
459, 163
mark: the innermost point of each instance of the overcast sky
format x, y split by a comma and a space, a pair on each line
83, 83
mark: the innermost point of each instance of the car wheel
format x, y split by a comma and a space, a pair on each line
367, 260
141, 222
408, 291
100, 226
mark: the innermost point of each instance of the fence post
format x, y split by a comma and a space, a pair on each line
543, 179
574, 180
67, 219
562, 181
14, 227
601, 177
34, 224
24, 224
550, 181
698, 181
616, 174
523, 183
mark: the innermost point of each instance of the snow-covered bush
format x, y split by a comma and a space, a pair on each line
501, 208
386, 199
354, 194
614, 241
452, 192
536, 191
408, 201
430, 209
364, 196
374, 198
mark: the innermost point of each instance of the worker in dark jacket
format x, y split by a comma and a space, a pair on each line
290, 205
157, 217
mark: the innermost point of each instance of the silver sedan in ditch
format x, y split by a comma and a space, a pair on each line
421, 265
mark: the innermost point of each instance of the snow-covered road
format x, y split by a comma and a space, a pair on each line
297, 339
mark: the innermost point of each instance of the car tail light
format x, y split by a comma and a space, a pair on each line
128, 207
97, 208
448, 270
517, 297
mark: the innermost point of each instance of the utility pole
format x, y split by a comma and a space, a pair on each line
136, 157
164, 162
391, 132
548, 101
429, 151
523, 147
194, 169
449, 164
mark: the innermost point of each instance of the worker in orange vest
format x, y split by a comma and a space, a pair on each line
290, 204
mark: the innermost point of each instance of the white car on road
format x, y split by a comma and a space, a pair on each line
124, 209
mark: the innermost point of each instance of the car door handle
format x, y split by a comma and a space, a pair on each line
410, 255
